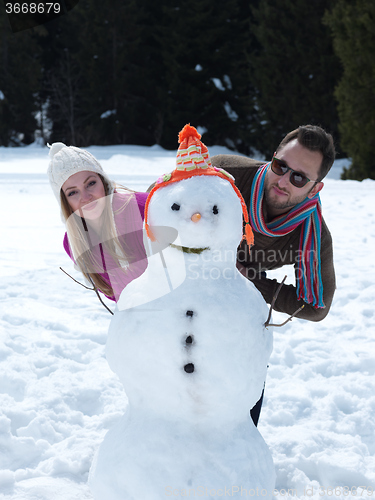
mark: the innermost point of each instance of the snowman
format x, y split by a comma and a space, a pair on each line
193, 356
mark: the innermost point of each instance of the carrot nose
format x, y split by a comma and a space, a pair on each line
196, 217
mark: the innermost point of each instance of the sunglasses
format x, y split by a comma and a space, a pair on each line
298, 179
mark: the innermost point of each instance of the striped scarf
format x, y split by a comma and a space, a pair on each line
308, 213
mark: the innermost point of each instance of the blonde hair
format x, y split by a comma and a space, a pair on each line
80, 241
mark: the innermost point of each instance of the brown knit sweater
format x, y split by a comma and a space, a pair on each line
274, 252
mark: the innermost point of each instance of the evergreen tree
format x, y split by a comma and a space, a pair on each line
111, 92
63, 84
294, 70
20, 73
204, 48
119, 93
144, 91
353, 28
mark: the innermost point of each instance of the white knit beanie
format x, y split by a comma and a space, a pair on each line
68, 160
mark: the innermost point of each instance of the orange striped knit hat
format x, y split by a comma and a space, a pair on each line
192, 160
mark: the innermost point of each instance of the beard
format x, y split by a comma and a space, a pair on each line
273, 202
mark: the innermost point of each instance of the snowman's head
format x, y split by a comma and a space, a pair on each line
198, 200
205, 210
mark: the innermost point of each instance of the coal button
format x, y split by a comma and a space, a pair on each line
189, 368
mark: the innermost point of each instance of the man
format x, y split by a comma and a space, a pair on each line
283, 202
285, 215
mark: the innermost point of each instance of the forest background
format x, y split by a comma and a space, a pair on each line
244, 72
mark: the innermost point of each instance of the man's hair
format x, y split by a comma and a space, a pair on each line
314, 138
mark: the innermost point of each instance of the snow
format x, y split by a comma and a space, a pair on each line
108, 113
228, 82
218, 84
58, 396
232, 115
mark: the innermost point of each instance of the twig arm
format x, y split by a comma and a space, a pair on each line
287, 320
99, 297
273, 302
267, 323
84, 286
88, 288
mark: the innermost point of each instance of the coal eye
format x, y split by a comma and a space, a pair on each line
175, 206
215, 210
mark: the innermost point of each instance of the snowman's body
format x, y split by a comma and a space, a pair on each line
193, 362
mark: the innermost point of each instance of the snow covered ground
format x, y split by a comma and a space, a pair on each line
58, 396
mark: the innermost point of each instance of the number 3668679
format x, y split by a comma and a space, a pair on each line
32, 8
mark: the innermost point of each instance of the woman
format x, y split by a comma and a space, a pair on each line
104, 221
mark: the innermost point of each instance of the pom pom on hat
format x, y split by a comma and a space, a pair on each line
188, 131
66, 161
55, 148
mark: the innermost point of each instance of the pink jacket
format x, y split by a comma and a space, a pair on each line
129, 226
